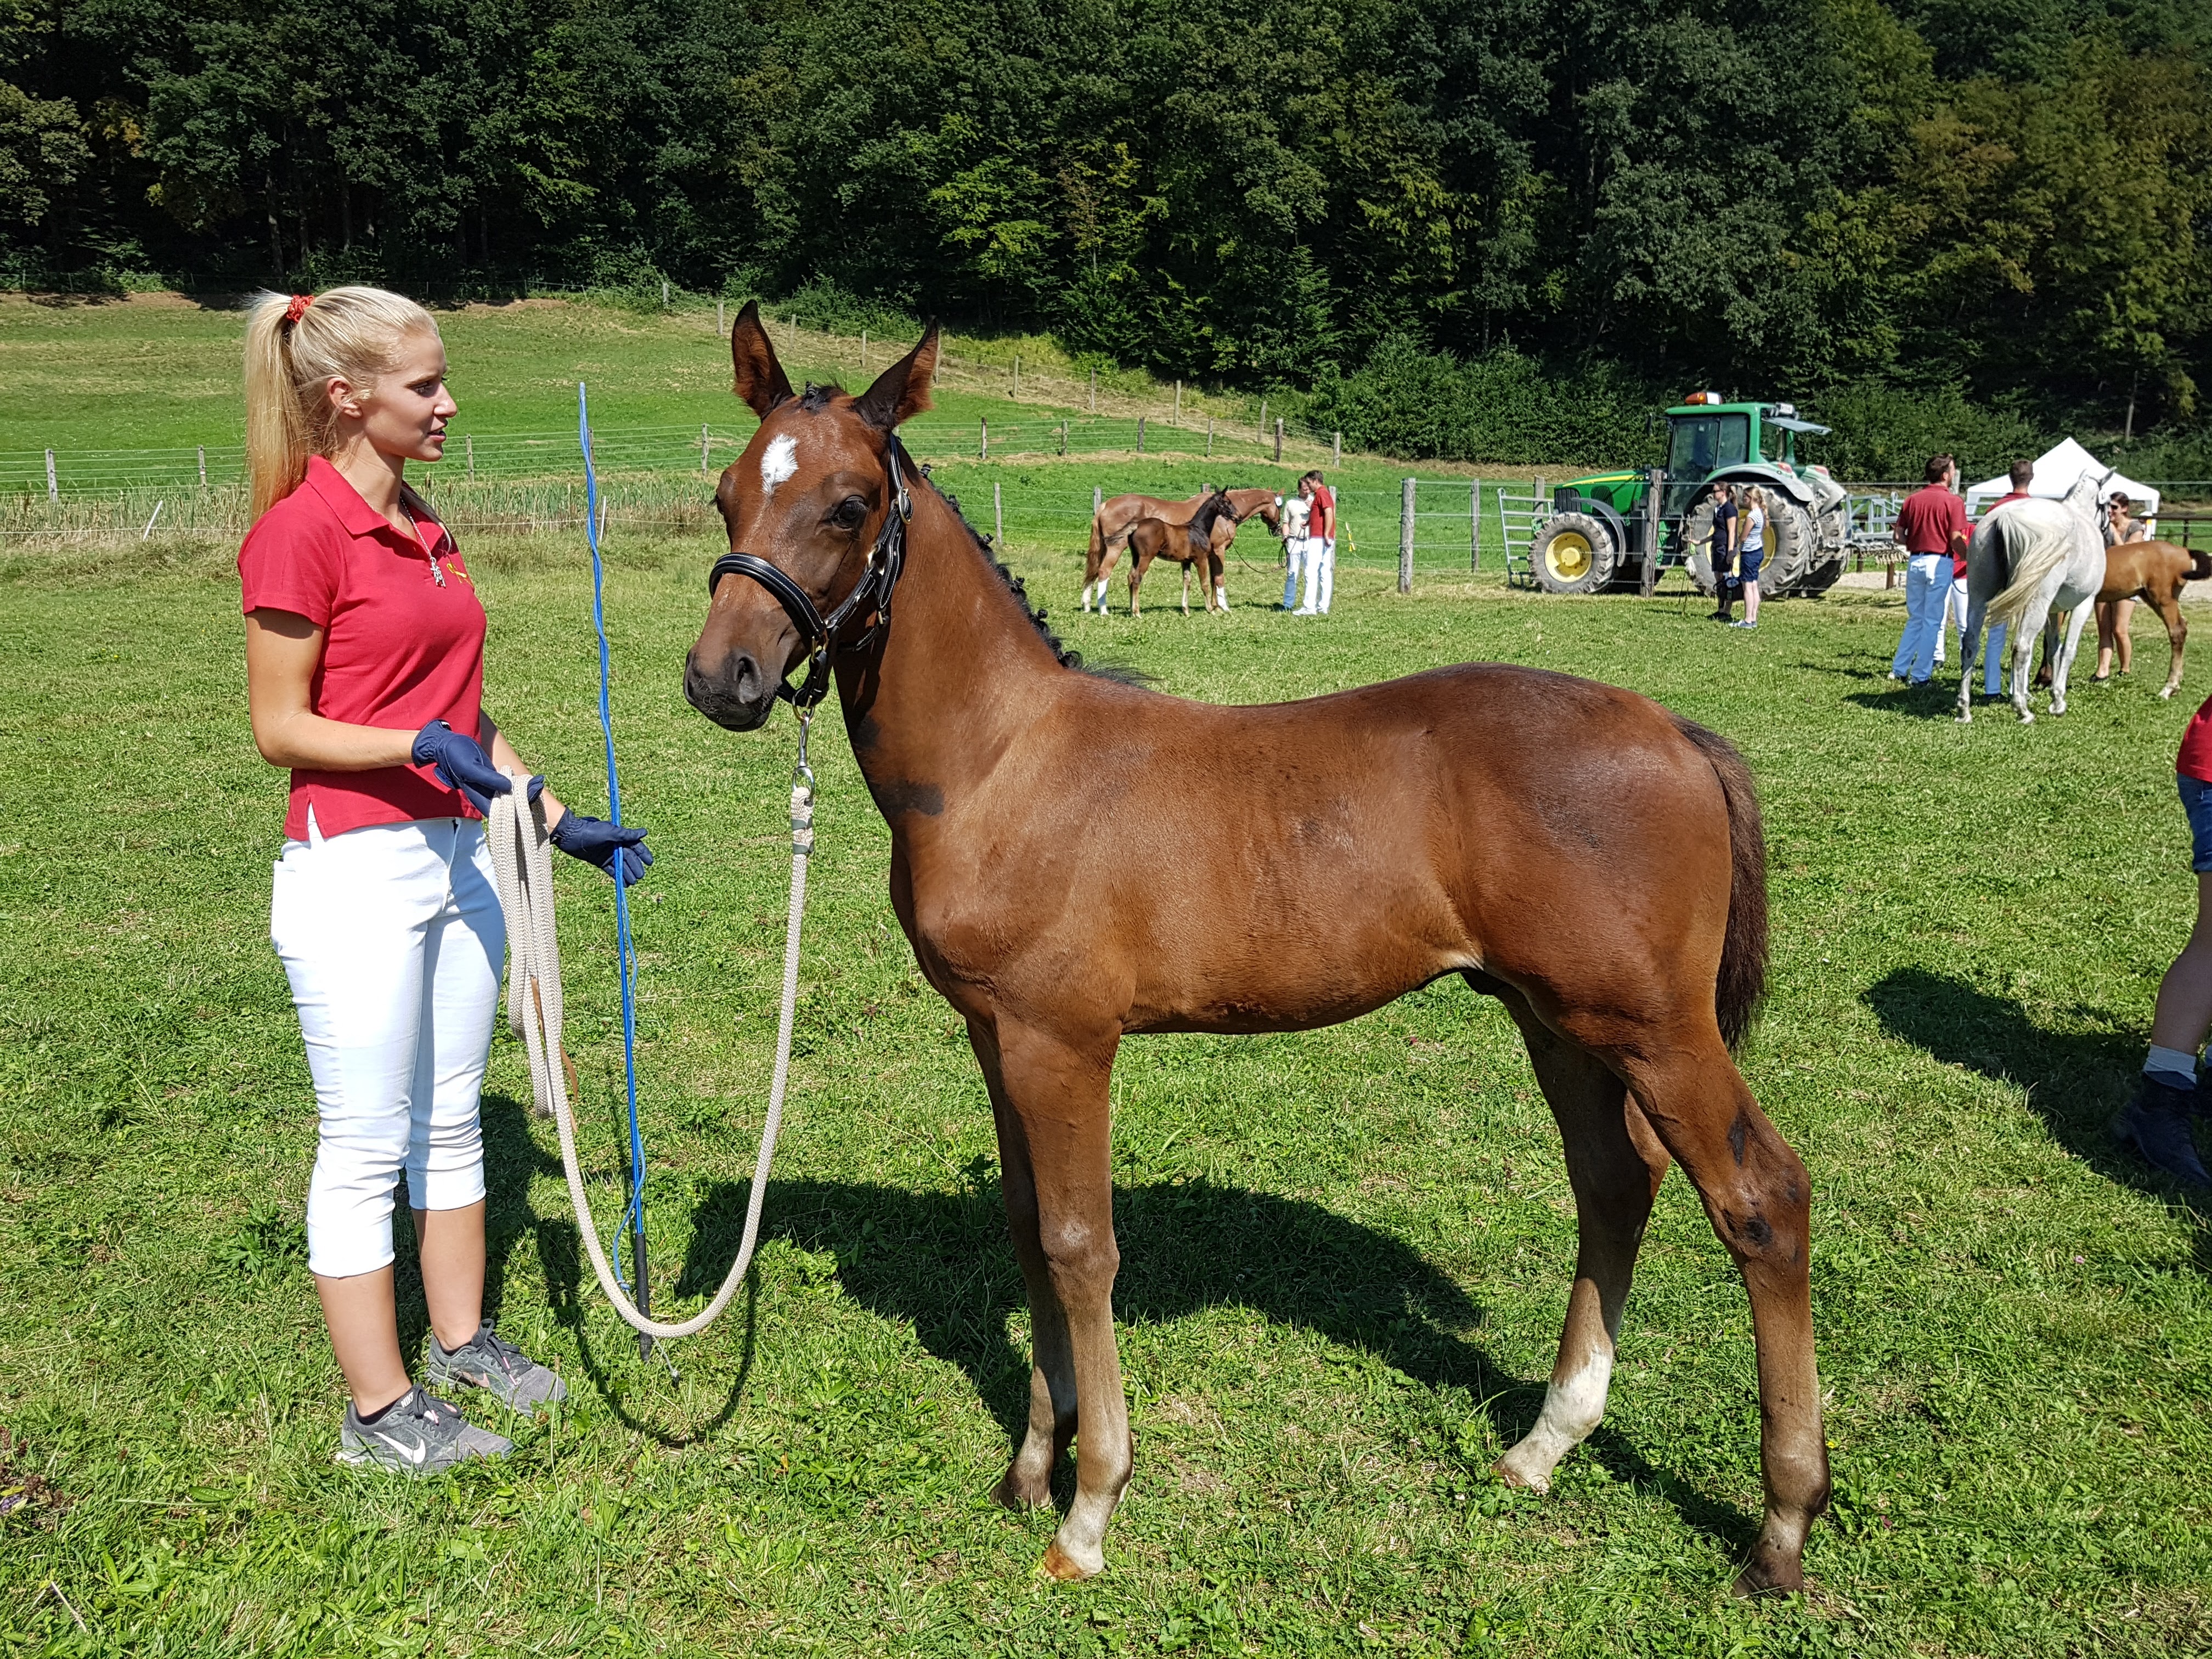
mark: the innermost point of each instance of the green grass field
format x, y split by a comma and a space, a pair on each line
1345, 1254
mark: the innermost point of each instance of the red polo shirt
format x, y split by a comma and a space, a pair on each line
400, 646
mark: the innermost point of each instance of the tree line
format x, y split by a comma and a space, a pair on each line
1884, 206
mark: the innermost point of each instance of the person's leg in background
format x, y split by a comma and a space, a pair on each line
1994, 669
1328, 573
2156, 1121
1293, 550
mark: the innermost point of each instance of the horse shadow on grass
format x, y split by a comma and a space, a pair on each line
2075, 1081
941, 1262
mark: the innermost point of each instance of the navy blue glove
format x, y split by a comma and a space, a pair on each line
619, 849
462, 764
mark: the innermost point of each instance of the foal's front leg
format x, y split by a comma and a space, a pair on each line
1050, 1094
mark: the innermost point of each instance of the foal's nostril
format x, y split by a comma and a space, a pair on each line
736, 694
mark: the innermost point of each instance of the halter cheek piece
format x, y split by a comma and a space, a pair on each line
871, 595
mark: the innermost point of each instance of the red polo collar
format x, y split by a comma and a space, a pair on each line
353, 511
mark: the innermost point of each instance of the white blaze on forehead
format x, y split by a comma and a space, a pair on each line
778, 462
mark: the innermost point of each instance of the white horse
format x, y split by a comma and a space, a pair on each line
2029, 560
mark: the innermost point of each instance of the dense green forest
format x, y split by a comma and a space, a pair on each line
1981, 220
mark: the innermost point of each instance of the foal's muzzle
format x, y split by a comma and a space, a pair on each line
737, 693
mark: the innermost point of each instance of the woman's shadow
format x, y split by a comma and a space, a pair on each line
2075, 1081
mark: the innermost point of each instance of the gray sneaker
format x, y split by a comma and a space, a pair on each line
418, 1434
489, 1362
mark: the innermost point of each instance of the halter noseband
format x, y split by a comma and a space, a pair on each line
871, 594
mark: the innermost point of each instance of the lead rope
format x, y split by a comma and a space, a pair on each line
522, 870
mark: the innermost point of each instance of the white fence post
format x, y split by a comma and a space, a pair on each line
997, 521
1474, 526
720, 328
1336, 449
1140, 434
1209, 437
53, 483
1018, 377
203, 466
1262, 435
1094, 392
703, 473
984, 454
469, 444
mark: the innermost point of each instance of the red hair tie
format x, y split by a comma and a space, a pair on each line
298, 308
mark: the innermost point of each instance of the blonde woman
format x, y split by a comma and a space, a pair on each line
1752, 553
364, 672
2113, 616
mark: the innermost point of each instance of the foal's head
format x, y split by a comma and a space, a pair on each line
809, 495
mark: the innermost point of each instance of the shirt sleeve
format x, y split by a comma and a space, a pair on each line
287, 566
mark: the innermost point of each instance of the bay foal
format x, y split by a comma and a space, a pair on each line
1196, 543
1591, 860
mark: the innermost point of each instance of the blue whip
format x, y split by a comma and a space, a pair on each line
633, 1221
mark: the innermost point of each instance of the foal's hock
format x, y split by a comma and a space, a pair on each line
1605, 881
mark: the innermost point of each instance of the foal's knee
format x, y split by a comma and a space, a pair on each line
1080, 1256
1764, 1214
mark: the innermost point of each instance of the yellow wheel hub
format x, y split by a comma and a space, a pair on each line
1568, 554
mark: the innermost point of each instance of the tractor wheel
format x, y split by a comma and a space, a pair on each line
1794, 547
1574, 554
1697, 545
1822, 578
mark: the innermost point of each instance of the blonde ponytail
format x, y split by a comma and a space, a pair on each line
347, 333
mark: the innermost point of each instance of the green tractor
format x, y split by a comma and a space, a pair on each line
1604, 529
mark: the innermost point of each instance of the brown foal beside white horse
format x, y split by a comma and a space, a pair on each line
2155, 573
1591, 860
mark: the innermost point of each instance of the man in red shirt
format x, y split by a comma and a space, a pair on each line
1931, 527
1320, 547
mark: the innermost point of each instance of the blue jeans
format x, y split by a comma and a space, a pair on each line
1927, 583
2196, 801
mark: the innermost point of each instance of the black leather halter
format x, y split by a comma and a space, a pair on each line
871, 595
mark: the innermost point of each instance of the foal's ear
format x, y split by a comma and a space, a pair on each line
759, 378
903, 388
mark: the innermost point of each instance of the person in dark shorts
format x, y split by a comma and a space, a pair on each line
1725, 583
2156, 1121
1751, 537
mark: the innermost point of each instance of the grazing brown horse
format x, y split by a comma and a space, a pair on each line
2154, 572
1111, 524
1195, 542
1590, 859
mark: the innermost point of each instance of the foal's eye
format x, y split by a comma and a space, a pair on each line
850, 514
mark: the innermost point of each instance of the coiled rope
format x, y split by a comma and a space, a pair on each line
522, 869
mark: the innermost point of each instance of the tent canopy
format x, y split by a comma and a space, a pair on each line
2056, 470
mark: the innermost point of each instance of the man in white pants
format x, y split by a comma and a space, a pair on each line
1321, 545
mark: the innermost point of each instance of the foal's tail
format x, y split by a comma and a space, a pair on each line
2200, 564
1742, 981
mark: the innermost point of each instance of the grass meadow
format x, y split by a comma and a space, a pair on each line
1345, 1254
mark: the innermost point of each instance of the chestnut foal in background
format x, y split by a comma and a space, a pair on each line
1593, 861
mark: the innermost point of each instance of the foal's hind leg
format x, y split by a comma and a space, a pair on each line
1615, 1165
2168, 606
1759, 1199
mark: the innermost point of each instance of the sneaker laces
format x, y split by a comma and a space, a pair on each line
502, 1352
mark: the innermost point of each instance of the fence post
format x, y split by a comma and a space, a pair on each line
1178, 414
1209, 437
53, 484
664, 294
468, 447
1018, 377
1262, 435
863, 353
703, 473
1097, 501
997, 521
1336, 449
720, 328
1539, 488
984, 454
1094, 392
1063, 437
203, 466
1140, 434
1279, 437
1406, 538
1474, 526
1650, 578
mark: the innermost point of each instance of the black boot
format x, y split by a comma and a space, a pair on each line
2156, 1124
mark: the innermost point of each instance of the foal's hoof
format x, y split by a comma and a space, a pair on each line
1765, 1577
1060, 1564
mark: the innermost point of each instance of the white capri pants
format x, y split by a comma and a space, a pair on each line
393, 939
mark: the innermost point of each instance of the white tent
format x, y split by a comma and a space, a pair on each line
2055, 474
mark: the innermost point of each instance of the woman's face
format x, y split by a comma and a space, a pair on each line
403, 412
